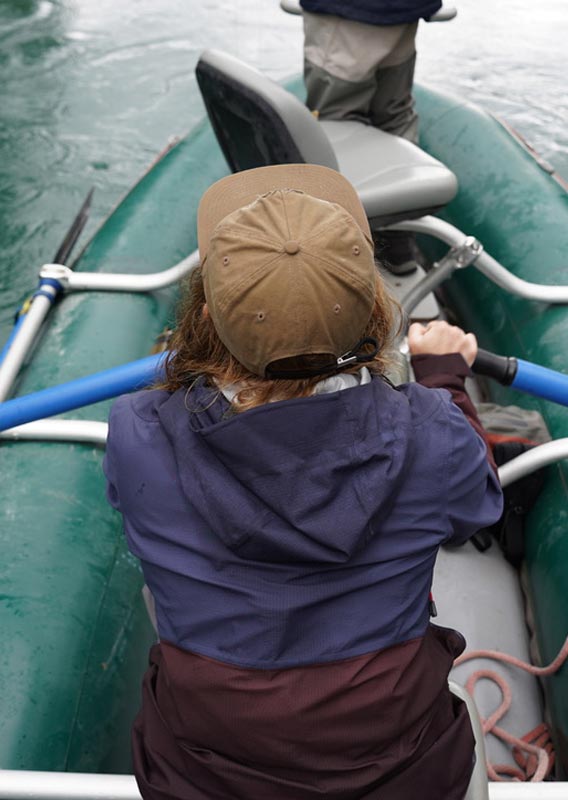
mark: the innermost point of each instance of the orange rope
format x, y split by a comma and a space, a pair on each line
536, 744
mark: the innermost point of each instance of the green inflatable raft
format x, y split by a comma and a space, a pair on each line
74, 624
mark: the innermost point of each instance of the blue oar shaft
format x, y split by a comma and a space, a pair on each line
81, 392
541, 382
530, 378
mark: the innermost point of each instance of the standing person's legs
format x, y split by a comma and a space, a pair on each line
392, 110
346, 63
392, 106
365, 72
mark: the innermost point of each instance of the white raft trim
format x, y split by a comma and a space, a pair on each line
59, 430
31, 785
119, 282
528, 791
541, 456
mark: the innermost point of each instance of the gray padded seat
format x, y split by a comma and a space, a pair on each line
392, 176
258, 123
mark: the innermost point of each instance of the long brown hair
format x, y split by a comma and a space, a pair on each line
196, 350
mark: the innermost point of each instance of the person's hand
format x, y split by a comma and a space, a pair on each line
438, 338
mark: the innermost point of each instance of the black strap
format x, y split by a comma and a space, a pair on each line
352, 356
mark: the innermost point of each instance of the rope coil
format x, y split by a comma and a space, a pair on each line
532, 752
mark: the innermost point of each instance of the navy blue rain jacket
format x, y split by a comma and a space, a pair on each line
295, 516
375, 12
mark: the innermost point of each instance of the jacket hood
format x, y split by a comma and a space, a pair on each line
300, 480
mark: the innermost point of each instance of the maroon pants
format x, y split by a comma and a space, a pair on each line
181, 752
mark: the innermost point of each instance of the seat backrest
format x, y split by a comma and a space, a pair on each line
256, 121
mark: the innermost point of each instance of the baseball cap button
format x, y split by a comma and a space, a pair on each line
291, 247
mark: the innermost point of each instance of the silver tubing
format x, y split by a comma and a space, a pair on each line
117, 282
455, 258
533, 459
445, 14
73, 282
491, 268
291, 6
59, 430
528, 791
23, 341
28, 785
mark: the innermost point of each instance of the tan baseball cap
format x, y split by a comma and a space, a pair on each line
288, 266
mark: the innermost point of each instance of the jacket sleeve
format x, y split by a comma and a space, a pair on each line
449, 372
475, 498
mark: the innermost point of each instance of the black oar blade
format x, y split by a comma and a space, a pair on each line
74, 231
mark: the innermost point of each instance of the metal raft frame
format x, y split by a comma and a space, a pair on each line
28, 785
55, 279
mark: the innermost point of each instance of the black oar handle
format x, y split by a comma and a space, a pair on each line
501, 368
